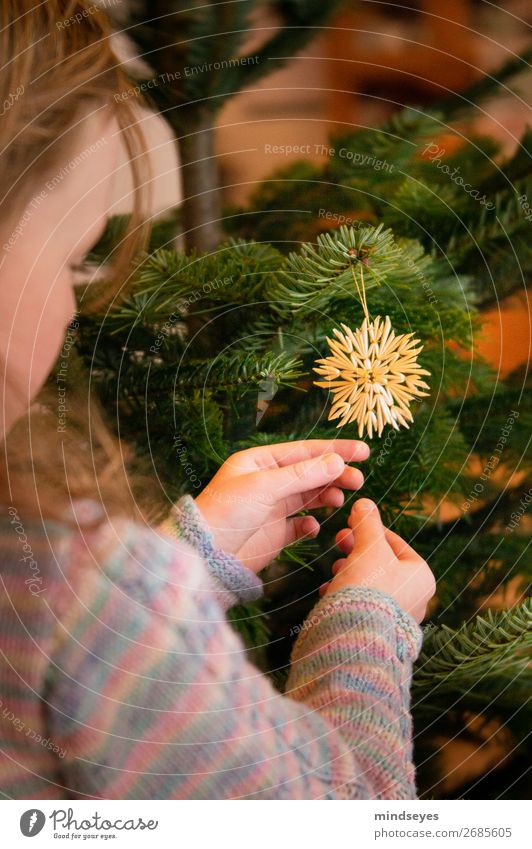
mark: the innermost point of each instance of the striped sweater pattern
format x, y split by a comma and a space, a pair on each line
120, 677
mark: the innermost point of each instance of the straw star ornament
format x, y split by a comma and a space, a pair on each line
373, 374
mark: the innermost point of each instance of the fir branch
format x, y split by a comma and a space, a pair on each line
162, 234
317, 275
488, 86
516, 167
299, 23
237, 372
456, 658
250, 621
302, 553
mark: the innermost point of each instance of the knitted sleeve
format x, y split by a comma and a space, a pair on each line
232, 583
151, 696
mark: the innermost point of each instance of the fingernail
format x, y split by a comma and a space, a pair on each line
333, 463
311, 527
365, 504
365, 450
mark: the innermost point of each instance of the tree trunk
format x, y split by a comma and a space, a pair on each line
201, 192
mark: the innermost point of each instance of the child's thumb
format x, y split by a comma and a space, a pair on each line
366, 523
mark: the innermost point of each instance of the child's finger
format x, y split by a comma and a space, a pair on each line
338, 565
331, 496
350, 478
324, 587
366, 524
288, 453
345, 540
301, 527
303, 476
401, 549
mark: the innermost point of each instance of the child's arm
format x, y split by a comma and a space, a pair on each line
152, 695
231, 582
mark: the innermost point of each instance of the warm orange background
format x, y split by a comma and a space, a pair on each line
506, 338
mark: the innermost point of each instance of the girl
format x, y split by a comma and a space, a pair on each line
120, 677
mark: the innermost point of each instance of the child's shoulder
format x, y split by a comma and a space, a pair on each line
138, 559
93, 555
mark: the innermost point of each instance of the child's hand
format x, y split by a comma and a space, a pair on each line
379, 558
250, 503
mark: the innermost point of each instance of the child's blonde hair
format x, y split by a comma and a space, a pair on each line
59, 60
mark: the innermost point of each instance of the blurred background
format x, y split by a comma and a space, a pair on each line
372, 59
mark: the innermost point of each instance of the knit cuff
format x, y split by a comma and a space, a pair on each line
233, 582
351, 608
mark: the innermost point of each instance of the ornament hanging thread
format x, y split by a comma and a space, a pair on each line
372, 372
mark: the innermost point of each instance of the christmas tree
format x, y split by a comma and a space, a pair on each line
212, 351
198, 56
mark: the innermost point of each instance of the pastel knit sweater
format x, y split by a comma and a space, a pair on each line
120, 677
